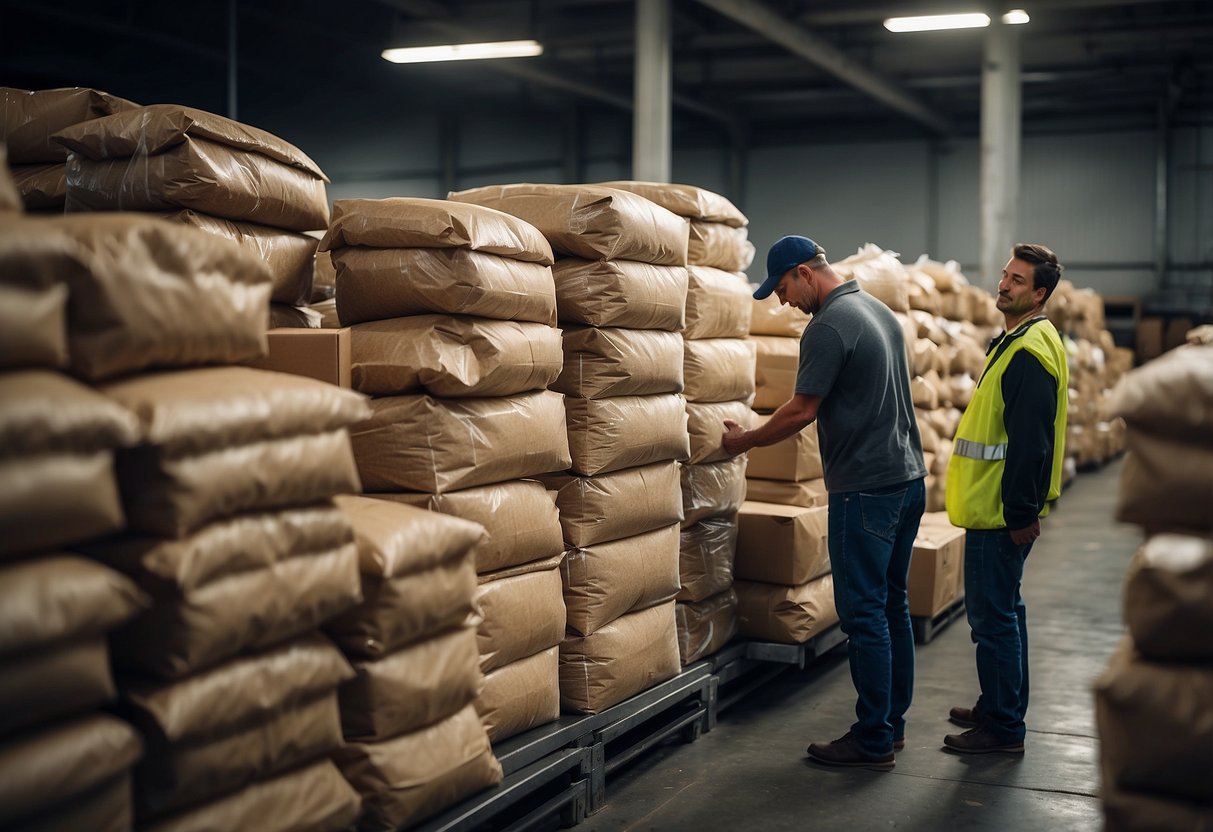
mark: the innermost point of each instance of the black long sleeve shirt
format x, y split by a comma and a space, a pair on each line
1029, 394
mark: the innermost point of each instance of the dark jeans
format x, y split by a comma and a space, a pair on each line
871, 540
993, 571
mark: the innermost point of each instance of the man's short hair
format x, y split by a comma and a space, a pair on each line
1046, 271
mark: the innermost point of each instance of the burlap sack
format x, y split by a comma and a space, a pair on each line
611, 434
1128, 811
520, 696
143, 292
420, 443
688, 201
1169, 598
705, 557
718, 370
718, 304
519, 518
1155, 725
719, 246
29, 118
880, 274
42, 187
789, 615
769, 317
375, 284
794, 459
290, 256
315, 798
712, 489
620, 293
174, 496
782, 545
617, 505
705, 424
1170, 396
411, 222
57, 499
33, 326
605, 362
54, 681
776, 364
44, 411
453, 356
407, 779
1165, 484
104, 808
45, 767
609, 580
590, 221
705, 626
808, 494
522, 612
631, 654
413, 687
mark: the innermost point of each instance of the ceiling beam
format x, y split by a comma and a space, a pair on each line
793, 37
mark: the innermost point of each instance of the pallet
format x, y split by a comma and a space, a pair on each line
926, 628
752, 664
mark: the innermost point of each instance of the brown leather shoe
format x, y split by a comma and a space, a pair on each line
980, 741
899, 743
845, 751
964, 717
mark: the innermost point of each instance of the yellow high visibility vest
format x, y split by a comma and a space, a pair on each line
974, 494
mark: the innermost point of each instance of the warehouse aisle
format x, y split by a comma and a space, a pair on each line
751, 771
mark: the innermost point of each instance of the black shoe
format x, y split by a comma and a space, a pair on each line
845, 751
980, 741
965, 717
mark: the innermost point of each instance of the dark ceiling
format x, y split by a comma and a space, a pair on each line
1087, 64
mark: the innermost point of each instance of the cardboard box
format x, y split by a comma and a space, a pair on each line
1177, 333
795, 459
808, 494
1149, 339
785, 545
935, 569
775, 371
322, 354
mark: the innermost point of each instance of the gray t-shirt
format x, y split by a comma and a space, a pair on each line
853, 355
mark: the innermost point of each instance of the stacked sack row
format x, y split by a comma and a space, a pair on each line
1154, 703
451, 310
228, 526
718, 376
620, 294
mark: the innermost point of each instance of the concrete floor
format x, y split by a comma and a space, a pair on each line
751, 771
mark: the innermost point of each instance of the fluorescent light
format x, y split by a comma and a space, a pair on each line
934, 22
1015, 17
464, 52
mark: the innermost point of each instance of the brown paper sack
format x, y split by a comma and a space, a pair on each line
786, 545
776, 365
609, 580
316, 798
56, 499
617, 505
769, 317
375, 284
1170, 396
706, 626
1165, 484
44, 411
407, 779
794, 459
62, 679
10, 199
785, 614
629, 655
1169, 598
45, 767
103, 808
42, 187
33, 325
519, 518
1128, 811
718, 304
611, 434
415, 686
1155, 725
689, 201
620, 293
453, 356
31, 117
590, 221
522, 695
705, 424
705, 557
880, 274
712, 489
807, 494
412, 222
521, 612
718, 370
420, 443
604, 362
719, 246
144, 293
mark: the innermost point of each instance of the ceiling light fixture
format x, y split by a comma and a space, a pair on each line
938, 22
464, 52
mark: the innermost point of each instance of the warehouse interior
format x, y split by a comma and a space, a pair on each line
408, 506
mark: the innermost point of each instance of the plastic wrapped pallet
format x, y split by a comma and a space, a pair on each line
712, 489
705, 557
706, 626
794, 459
718, 304
718, 370
1169, 598
785, 545
786, 614
620, 293
606, 581
705, 426
607, 435
807, 494
31, 117
521, 695
522, 612
603, 362
619, 504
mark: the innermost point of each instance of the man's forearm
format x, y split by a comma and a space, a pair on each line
792, 417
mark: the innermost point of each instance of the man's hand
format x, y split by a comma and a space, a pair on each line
1024, 536
733, 440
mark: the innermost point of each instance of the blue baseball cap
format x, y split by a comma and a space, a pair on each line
787, 253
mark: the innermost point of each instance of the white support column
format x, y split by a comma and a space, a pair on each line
1000, 141
651, 118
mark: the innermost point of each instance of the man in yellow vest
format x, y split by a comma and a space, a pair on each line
1005, 469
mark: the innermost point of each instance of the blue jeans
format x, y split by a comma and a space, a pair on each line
993, 571
871, 540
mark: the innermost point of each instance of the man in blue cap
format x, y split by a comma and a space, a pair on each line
854, 381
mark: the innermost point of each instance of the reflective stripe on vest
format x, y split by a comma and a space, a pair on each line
976, 450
